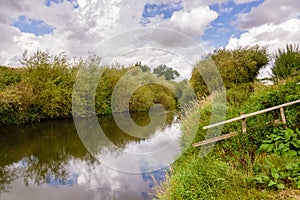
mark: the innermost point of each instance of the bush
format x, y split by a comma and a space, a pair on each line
8, 76
43, 89
236, 67
287, 62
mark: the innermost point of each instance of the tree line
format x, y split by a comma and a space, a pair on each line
42, 88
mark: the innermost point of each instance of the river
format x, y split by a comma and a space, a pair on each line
49, 161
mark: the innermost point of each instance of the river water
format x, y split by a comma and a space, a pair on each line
49, 161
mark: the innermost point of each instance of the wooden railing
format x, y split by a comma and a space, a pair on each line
243, 118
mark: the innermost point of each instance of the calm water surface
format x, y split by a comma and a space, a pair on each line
48, 161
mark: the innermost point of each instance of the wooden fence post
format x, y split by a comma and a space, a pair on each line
283, 116
244, 125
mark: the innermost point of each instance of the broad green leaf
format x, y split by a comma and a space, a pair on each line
291, 153
266, 147
280, 186
274, 173
271, 183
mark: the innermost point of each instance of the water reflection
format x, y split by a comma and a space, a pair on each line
49, 161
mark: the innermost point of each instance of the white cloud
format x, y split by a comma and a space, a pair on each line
243, 1
76, 31
270, 11
79, 31
273, 24
82, 3
190, 4
271, 35
192, 23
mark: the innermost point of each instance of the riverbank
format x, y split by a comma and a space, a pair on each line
44, 89
263, 164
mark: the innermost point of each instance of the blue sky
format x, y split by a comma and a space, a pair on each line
37, 27
223, 27
220, 30
217, 34
167, 10
49, 2
78, 26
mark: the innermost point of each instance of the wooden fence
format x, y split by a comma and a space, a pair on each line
243, 118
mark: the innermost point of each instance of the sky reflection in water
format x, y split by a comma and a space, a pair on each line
48, 161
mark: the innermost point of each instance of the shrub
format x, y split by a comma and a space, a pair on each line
8, 76
287, 62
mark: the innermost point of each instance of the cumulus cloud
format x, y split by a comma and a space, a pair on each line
274, 36
79, 31
273, 23
244, 1
270, 11
76, 31
190, 4
192, 23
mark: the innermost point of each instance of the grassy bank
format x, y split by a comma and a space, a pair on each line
262, 164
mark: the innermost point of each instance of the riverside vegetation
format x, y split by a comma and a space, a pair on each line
262, 164
42, 88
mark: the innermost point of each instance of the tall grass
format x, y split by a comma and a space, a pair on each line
229, 170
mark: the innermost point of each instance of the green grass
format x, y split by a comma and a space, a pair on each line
231, 169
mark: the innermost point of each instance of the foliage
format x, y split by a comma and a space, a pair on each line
17, 105
168, 72
52, 82
8, 76
235, 66
275, 174
144, 68
275, 95
282, 142
206, 178
239, 94
184, 93
205, 77
287, 62
105, 88
43, 88
258, 171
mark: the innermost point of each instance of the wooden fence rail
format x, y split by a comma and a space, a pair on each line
243, 118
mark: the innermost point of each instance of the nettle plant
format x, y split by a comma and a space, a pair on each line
279, 177
284, 171
282, 142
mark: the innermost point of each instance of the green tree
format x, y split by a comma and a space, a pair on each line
168, 72
144, 68
287, 62
235, 66
52, 79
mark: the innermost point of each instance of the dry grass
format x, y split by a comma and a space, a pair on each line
288, 194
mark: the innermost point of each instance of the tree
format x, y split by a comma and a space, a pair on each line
168, 72
287, 62
235, 66
144, 68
